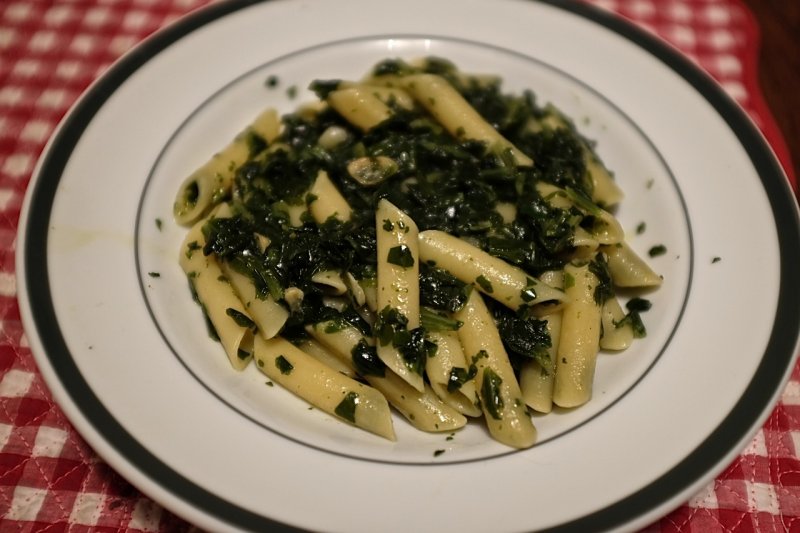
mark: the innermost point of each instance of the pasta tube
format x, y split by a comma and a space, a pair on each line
627, 268
501, 399
458, 117
585, 244
210, 183
606, 228
328, 201
507, 284
605, 190
423, 409
323, 387
536, 382
580, 338
439, 369
269, 315
224, 309
614, 337
387, 95
359, 106
322, 354
398, 285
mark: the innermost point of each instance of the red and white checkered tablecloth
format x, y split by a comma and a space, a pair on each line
50, 480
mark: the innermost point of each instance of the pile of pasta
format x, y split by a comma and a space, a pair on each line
466, 372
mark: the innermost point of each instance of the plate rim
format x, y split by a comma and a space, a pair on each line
660, 495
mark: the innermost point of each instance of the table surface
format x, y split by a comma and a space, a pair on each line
779, 66
50, 50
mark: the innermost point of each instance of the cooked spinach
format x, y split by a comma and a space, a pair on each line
605, 287
635, 307
347, 407
366, 361
441, 181
491, 396
459, 376
524, 338
441, 290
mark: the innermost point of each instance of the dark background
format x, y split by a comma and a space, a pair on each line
779, 66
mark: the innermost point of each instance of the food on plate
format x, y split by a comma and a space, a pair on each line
416, 239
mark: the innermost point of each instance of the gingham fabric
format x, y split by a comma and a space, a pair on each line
50, 480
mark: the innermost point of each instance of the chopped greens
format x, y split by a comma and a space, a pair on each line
390, 322
401, 256
459, 376
347, 407
528, 215
491, 395
524, 338
441, 290
605, 288
635, 307
391, 327
366, 361
528, 294
272, 81
284, 365
484, 284
240, 318
414, 348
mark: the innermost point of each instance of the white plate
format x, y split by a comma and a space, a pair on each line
127, 357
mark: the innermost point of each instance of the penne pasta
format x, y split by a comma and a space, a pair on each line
504, 410
535, 381
224, 309
585, 244
423, 409
614, 335
440, 371
324, 387
387, 95
492, 276
305, 252
579, 340
331, 280
605, 191
458, 117
359, 106
322, 354
211, 183
398, 286
627, 268
269, 315
605, 229
327, 200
